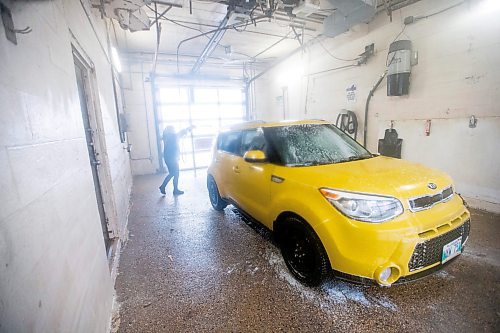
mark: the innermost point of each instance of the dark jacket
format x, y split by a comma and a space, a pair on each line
170, 146
171, 149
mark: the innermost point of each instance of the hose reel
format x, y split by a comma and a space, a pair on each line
347, 123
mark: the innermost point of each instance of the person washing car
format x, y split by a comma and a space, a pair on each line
171, 154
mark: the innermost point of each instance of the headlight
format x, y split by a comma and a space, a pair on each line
364, 207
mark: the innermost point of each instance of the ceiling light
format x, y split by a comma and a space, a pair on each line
488, 6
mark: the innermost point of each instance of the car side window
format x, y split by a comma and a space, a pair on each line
229, 142
252, 140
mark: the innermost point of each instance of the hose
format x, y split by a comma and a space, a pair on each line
370, 94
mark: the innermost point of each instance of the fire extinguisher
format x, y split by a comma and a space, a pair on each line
399, 68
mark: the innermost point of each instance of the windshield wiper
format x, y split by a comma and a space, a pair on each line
355, 158
313, 163
302, 164
348, 159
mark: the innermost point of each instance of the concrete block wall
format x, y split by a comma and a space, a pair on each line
54, 272
457, 76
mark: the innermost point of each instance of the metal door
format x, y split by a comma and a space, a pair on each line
82, 80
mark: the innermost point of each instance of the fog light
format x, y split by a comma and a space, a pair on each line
385, 274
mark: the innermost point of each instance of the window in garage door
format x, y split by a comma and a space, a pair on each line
207, 108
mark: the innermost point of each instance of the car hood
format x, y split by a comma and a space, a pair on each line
378, 175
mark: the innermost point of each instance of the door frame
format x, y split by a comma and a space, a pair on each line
100, 147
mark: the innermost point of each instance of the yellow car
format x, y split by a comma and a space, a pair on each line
333, 205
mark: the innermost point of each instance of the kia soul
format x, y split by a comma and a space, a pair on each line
335, 207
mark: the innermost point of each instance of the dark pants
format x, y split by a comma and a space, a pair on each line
173, 172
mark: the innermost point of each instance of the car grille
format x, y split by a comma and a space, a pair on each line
430, 251
427, 201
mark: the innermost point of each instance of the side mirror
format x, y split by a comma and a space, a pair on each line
255, 156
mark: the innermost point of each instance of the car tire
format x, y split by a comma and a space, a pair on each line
303, 252
213, 193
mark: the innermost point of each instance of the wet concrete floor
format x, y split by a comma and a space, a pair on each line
188, 268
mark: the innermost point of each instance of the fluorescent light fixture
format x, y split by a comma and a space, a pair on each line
116, 59
488, 6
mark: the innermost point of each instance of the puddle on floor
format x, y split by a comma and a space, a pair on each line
331, 293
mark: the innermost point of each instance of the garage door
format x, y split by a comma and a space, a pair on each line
209, 109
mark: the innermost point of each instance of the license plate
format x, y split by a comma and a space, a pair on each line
452, 250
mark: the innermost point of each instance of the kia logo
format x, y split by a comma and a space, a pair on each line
432, 186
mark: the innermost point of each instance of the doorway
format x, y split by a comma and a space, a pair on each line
206, 108
83, 71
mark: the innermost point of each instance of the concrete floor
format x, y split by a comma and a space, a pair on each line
188, 268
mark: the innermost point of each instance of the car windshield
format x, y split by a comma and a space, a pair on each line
314, 144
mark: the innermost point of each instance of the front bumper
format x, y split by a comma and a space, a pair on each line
402, 280
425, 260
406, 249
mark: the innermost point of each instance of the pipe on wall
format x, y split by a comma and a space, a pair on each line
367, 105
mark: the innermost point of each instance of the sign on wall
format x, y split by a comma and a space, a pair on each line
351, 93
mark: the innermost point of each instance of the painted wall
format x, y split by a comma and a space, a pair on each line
140, 118
457, 76
54, 272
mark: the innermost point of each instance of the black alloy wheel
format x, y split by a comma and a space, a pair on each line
303, 252
213, 192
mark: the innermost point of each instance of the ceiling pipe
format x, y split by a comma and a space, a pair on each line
271, 46
161, 167
212, 44
157, 17
280, 60
215, 26
158, 34
204, 34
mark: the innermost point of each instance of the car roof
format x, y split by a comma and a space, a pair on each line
261, 123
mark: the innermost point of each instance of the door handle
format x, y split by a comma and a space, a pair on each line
236, 169
96, 162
